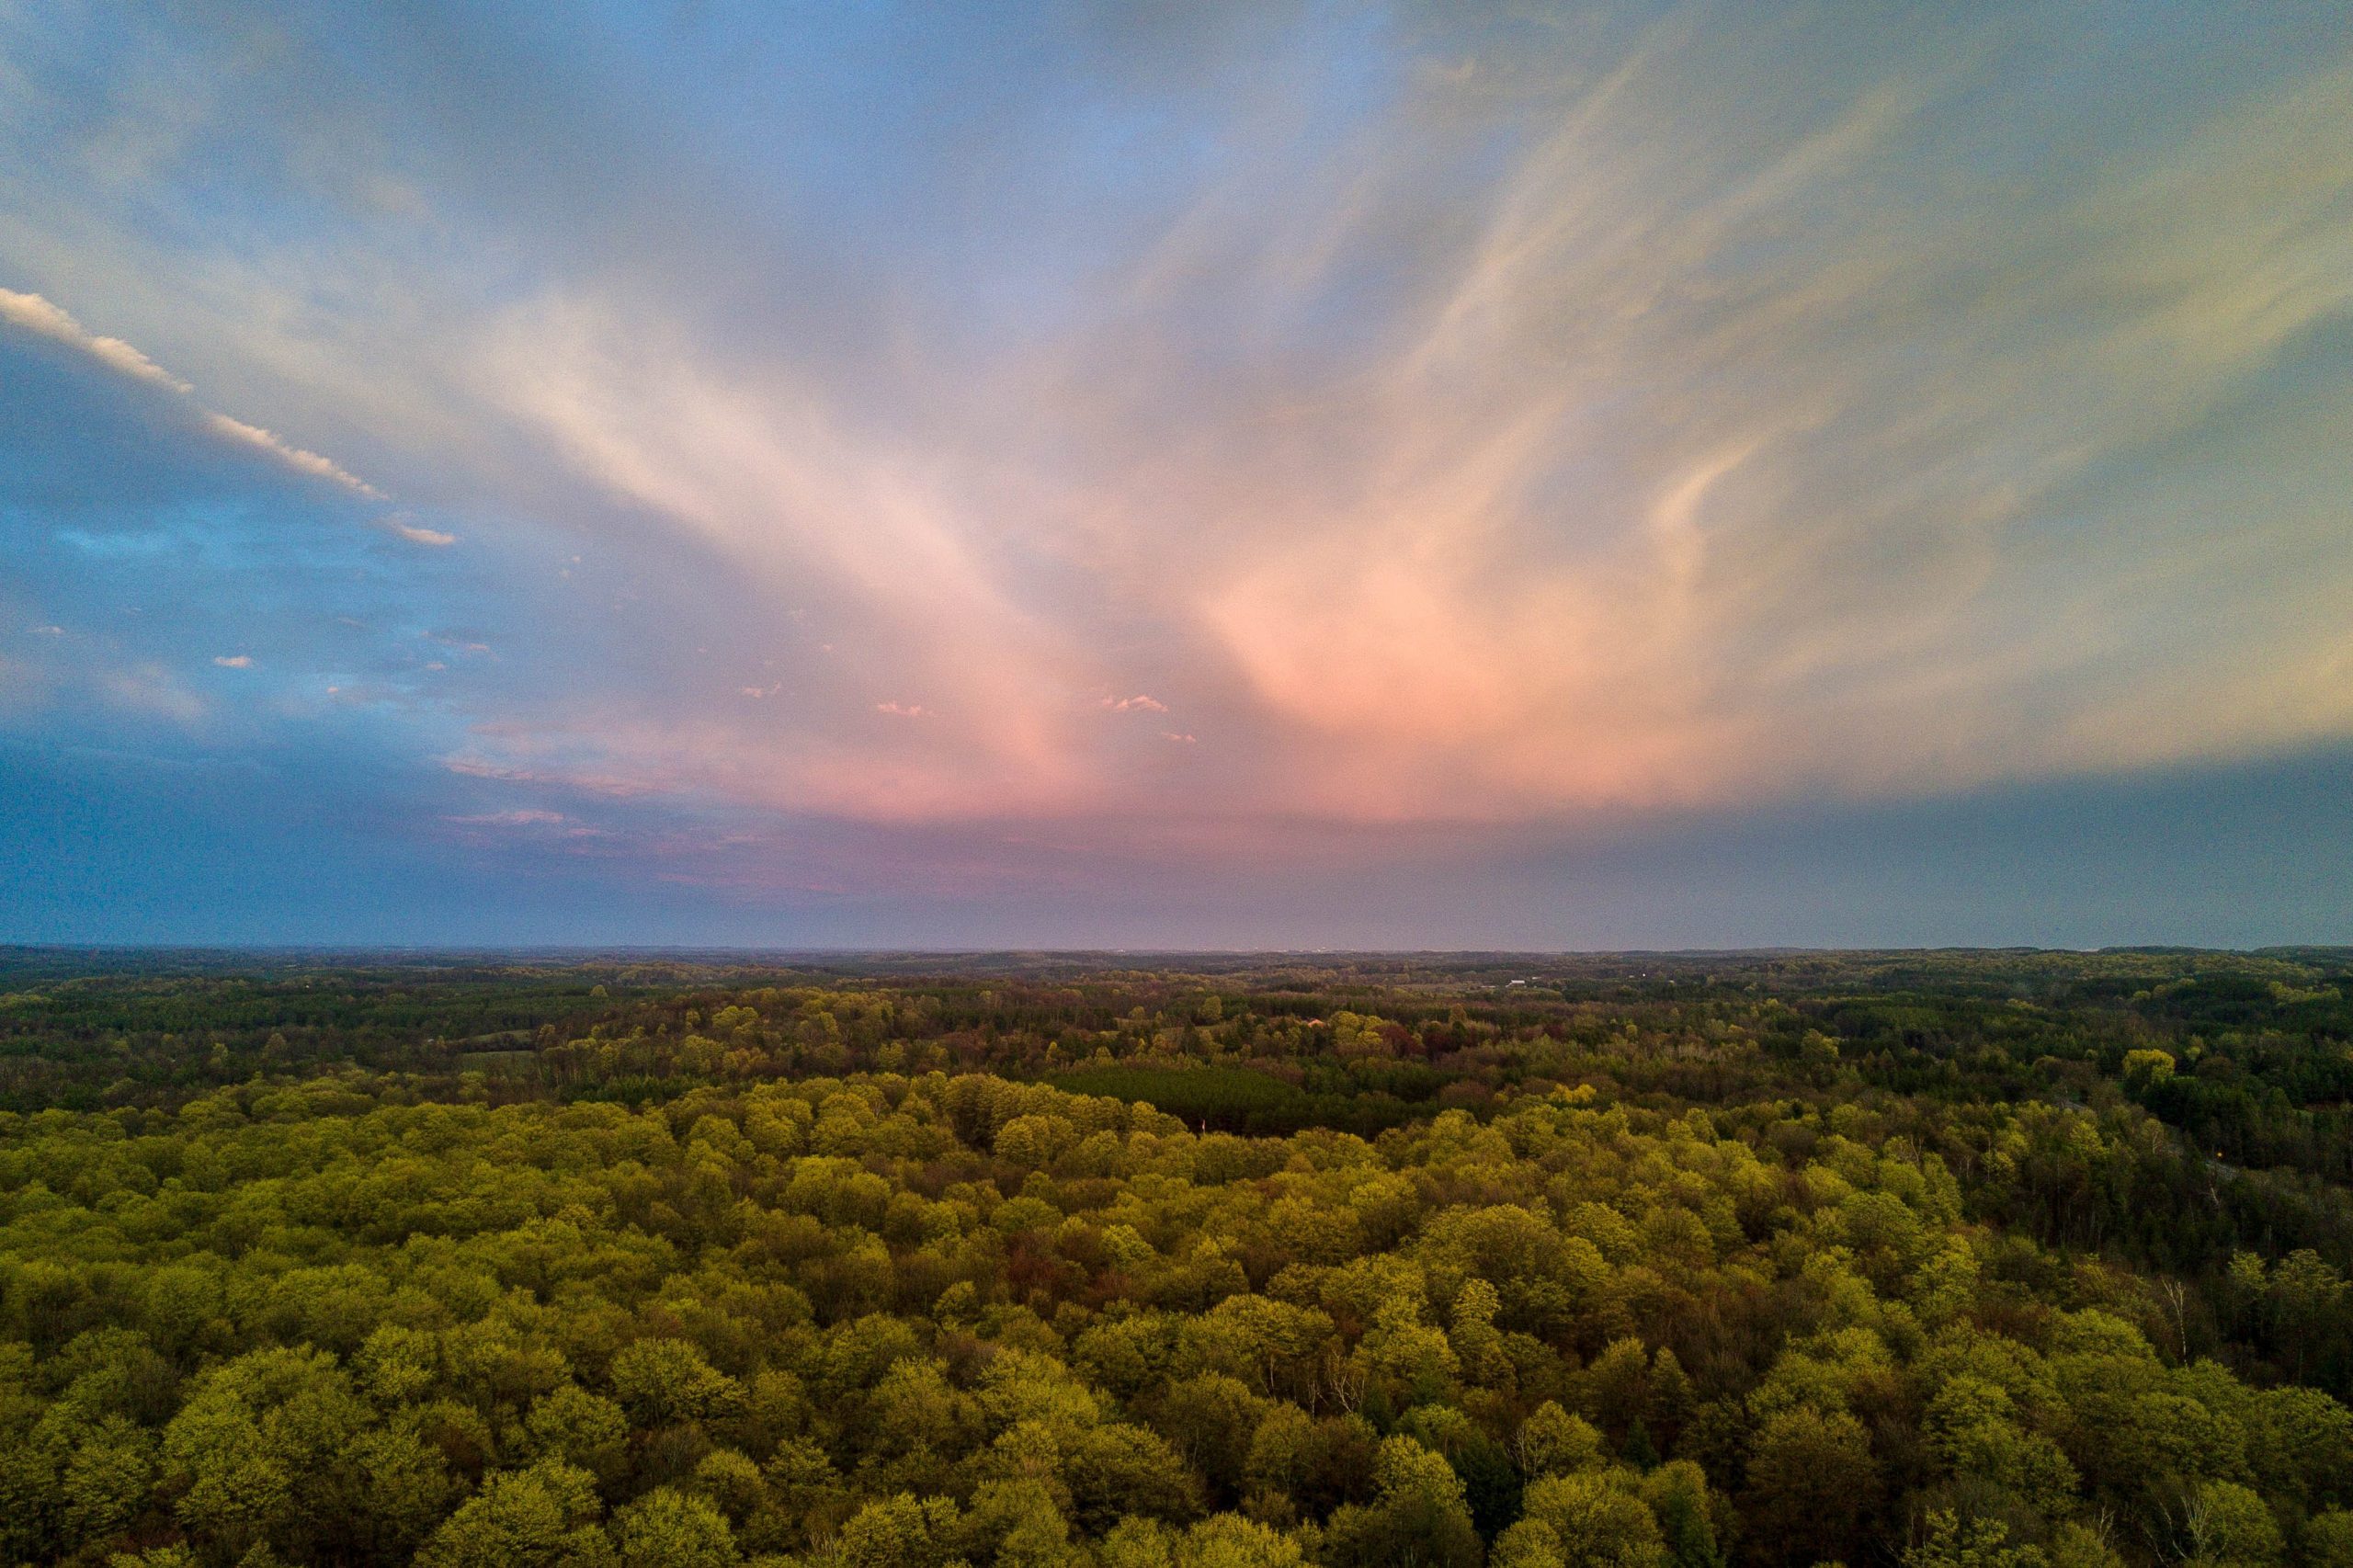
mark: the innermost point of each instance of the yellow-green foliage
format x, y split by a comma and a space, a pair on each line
885, 1320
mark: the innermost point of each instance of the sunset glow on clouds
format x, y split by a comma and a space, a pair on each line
901, 461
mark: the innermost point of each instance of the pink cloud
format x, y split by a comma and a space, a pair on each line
1513, 546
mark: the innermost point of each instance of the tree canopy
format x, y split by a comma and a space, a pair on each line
876, 1269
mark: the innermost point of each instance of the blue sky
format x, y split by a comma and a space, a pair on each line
1214, 476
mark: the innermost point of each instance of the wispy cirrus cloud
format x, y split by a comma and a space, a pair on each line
1464, 416
1669, 463
34, 313
293, 457
525, 816
416, 533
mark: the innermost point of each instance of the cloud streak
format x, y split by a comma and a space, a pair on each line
293, 457
36, 314
416, 533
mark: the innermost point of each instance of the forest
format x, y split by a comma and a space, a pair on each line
1956, 1259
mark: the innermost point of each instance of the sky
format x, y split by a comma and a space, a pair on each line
1175, 475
